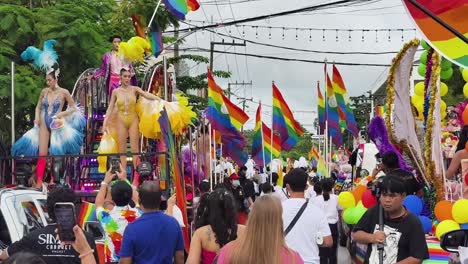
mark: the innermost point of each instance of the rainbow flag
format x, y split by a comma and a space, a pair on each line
218, 115
87, 213
436, 253
262, 145
321, 109
168, 138
284, 122
237, 115
344, 105
333, 117
180, 8
380, 110
321, 168
444, 41
155, 39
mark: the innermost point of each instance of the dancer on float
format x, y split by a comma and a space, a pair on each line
55, 131
111, 65
122, 120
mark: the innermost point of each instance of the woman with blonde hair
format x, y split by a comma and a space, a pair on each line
263, 240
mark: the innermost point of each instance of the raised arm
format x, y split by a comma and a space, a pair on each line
146, 95
110, 109
37, 115
454, 165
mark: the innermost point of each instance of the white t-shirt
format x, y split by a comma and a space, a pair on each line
330, 207
309, 193
302, 237
280, 193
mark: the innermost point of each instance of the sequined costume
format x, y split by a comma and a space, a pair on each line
110, 70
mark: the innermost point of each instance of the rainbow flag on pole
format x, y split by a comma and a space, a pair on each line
321, 110
87, 213
284, 122
261, 145
180, 8
318, 161
218, 113
344, 105
333, 117
154, 36
380, 110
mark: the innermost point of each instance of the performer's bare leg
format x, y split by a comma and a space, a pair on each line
134, 138
44, 136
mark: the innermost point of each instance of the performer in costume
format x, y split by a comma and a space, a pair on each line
122, 120
111, 66
55, 131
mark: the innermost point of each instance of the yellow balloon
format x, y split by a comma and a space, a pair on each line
346, 200
419, 89
442, 117
460, 211
443, 89
446, 226
420, 109
465, 90
443, 106
417, 100
465, 75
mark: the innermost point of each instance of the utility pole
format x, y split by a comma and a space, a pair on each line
237, 84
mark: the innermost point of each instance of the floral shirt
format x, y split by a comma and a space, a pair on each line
114, 223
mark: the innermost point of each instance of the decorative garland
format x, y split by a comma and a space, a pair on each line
437, 183
391, 98
427, 91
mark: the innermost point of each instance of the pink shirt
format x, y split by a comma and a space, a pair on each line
285, 255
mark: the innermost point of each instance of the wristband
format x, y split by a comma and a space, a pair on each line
86, 254
104, 183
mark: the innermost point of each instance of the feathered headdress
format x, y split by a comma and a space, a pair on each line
43, 59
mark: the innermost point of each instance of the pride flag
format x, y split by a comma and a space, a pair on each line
180, 8
333, 117
87, 213
344, 106
321, 109
237, 115
218, 115
317, 159
262, 144
168, 138
154, 36
380, 110
284, 122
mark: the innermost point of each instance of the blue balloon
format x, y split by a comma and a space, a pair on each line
426, 223
464, 226
413, 204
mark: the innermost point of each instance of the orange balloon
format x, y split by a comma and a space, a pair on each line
358, 192
443, 210
465, 116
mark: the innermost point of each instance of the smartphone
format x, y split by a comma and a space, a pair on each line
66, 220
115, 165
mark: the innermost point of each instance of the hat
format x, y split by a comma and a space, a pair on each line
234, 176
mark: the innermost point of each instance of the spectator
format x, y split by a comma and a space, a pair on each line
203, 188
232, 184
403, 236
391, 167
215, 229
278, 191
248, 188
266, 189
44, 242
311, 226
154, 237
311, 190
25, 257
263, 239
328, 202
115, 215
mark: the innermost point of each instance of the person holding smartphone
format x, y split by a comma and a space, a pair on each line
45, 242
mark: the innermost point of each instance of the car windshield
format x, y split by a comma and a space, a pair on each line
43, 204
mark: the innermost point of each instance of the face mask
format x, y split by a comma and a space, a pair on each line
236, 183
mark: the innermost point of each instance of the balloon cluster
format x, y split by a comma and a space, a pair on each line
446, 73
415, 205
451, 216
355, 203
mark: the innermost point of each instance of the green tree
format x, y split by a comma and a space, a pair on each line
455, 87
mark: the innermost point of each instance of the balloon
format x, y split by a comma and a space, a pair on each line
460, 211
445, 64
425, 45
346, 200
417, 100
420, 109
423, 58
413, 204
422, 70
368, 200
465, 90
358, 192
447, 74
443, 115
446, 226
443, 106
443, 210
426, 223
419, 89
358, 213
465, 115
465, 75
348, 215
443, 89
464, 226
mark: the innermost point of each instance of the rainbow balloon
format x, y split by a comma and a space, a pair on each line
454, 13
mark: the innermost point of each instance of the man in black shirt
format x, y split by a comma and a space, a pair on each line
403, 236
44, 241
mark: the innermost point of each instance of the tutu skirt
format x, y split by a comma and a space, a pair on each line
28, 144
64, 139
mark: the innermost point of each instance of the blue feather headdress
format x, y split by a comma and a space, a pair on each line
43, 59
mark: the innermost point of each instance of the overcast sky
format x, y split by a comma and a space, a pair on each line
297, 80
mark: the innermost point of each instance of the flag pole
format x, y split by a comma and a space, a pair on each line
326, 119
214, 157
272, 132
152, 17
261, 131
211, 158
